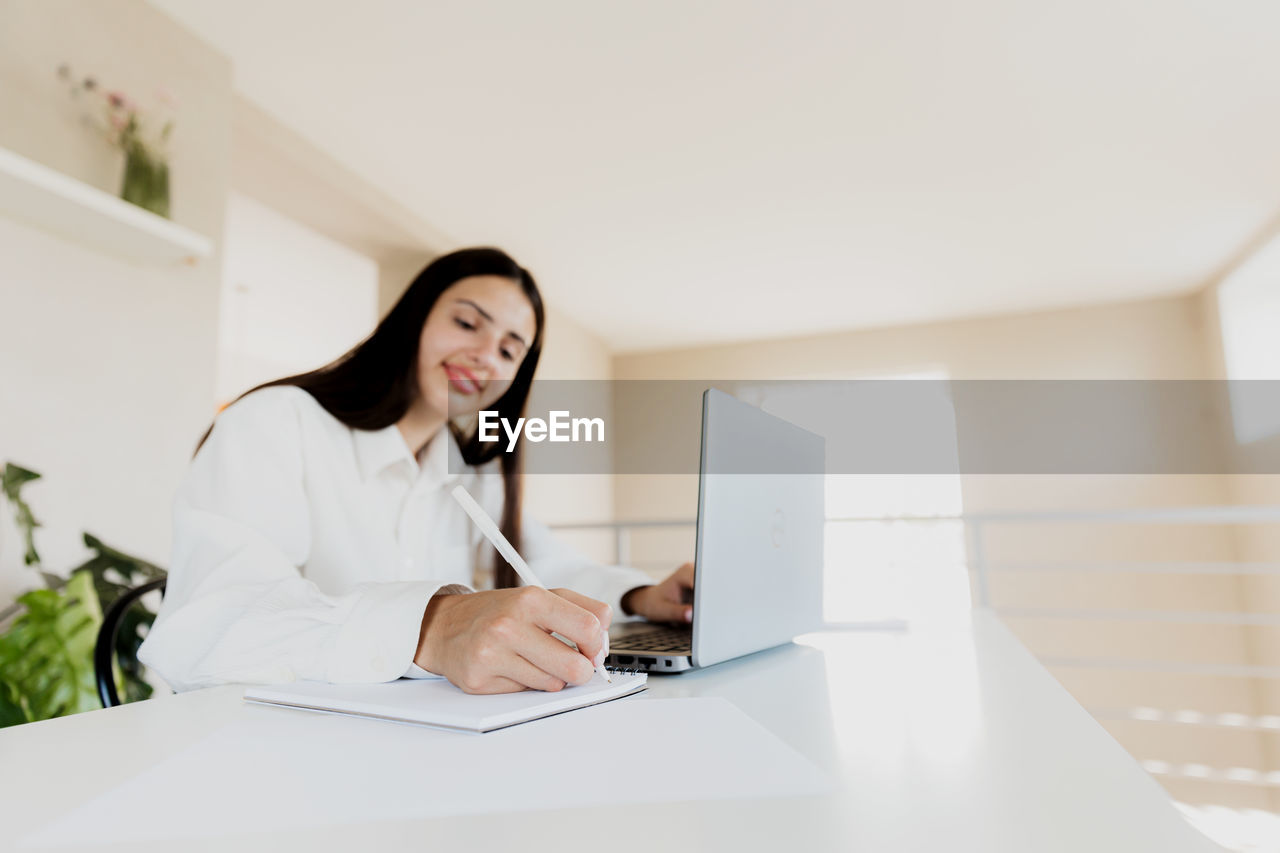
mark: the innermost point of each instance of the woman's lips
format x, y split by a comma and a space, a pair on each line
462, 380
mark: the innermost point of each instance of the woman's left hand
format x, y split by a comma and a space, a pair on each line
669, 601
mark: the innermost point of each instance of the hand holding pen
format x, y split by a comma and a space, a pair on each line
509, 553
505, 640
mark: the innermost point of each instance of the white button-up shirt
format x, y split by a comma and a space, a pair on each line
305, 549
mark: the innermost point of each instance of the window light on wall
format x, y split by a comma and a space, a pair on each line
1249, 311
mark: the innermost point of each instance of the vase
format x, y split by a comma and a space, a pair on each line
146, 180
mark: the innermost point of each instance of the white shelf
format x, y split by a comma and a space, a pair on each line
39, 196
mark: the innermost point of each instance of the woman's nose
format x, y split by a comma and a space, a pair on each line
488, 356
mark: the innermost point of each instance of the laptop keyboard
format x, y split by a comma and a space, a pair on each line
658, 639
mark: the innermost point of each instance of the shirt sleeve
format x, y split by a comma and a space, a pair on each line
415, 671
237, 607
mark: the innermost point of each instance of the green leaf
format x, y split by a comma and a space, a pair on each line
135, 569
13, 479
11, 482
133, 626
11, 711
46, 656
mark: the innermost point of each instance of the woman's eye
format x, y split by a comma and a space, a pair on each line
508, 355
470, 327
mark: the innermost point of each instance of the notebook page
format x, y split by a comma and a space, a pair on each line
436, 702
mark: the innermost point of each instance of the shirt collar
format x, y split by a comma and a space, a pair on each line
379, 449
442, 461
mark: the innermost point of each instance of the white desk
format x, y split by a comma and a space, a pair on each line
955, 741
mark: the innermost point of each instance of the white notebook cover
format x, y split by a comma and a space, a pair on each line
435, 702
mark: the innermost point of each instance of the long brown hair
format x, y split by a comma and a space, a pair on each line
372, 386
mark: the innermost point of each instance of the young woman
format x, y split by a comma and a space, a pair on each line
315, 536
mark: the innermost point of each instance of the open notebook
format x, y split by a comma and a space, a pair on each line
435, 702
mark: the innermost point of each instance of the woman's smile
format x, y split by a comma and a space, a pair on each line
462, 380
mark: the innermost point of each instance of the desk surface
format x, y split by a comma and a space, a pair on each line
955, 740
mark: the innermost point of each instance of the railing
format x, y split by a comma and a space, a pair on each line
621, 532
979, 524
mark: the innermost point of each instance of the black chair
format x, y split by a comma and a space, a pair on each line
104, 651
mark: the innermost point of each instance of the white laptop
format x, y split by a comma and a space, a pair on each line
758, 559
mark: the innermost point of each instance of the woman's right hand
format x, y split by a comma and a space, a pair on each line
500, 641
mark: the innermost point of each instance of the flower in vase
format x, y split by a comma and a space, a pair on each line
142, 135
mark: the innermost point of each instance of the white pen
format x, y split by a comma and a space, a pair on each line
494, 535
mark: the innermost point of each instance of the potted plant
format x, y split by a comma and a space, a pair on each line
49, 633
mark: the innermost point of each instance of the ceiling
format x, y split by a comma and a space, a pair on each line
681, 173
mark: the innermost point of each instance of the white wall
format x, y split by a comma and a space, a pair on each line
106, 368
292, 299
1249, 310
